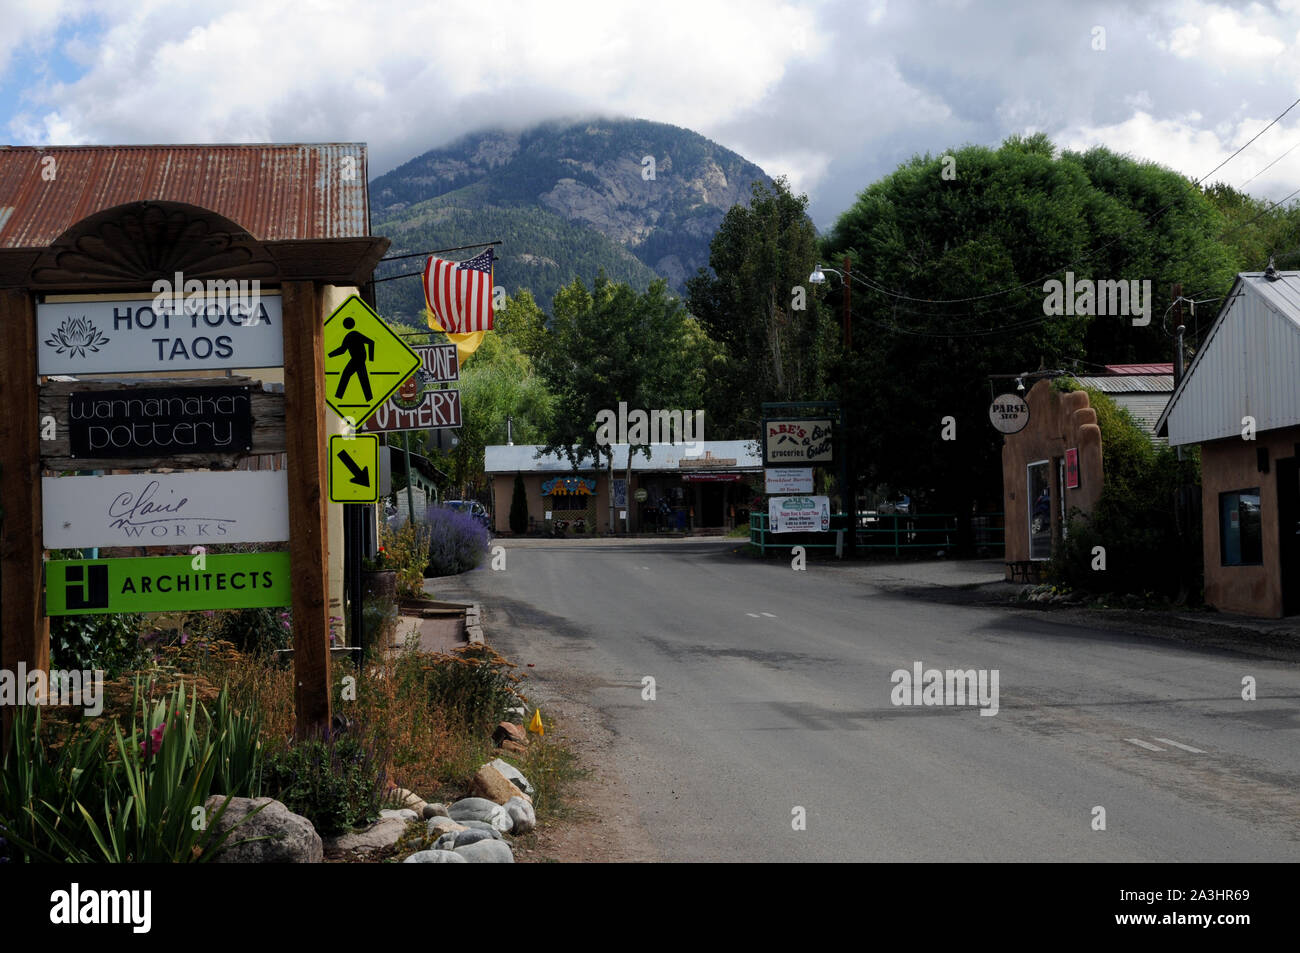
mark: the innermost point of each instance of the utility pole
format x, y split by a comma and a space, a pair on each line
847, 493
1178, 344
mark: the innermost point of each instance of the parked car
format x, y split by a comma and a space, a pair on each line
474, 508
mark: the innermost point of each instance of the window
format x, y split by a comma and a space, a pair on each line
1040, 510
568, 502
1240, 540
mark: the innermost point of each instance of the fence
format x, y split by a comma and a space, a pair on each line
885, 531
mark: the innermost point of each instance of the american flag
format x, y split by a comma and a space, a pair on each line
460, 293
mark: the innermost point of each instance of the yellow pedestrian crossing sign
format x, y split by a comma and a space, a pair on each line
354, 468
365, 361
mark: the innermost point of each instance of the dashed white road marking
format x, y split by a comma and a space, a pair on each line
752, 615
769, 615
1144, 744
1179, 744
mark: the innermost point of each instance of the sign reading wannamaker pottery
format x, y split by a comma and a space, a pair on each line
789, 480
799, 514
1009, 413
106, 337
153, 422
165, 509
790, 442
166, 583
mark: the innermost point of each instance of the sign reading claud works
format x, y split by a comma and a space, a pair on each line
98, 336
789, 442
165, 509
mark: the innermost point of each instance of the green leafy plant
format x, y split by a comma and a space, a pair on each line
407, 549
474, 685
109, 642
337, 784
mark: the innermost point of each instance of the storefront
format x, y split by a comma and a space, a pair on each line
1240, 400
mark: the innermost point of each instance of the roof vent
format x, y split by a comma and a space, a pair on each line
1270, 273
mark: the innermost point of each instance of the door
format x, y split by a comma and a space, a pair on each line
1288, 515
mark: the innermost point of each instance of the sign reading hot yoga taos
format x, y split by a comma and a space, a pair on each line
165, 509
799, 514
166, 583
108, 336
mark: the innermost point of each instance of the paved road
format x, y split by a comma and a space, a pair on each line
773, 692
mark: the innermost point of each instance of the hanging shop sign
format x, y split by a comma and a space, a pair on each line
563, 486
799, 514
788, 480
166, 583
438, 364
97, 336
798, 442
1072, 468
1009, 413
431, 410
713, 477
165, 509
160, 421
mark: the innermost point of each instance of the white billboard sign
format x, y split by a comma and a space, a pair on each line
789, 480
98, 336
799, 514
192, 507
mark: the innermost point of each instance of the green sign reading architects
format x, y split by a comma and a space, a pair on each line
166, 583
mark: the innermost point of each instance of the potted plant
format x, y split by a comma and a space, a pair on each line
379, 576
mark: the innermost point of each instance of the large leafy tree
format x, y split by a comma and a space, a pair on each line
758, 306
985, 237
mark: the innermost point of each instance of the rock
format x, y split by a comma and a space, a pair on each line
481, 809
487, 852
492, 785
292, 839
385, 832
522, 816
403, 814
435, 857
509, 731
513, 747
435, 810
438, 826
408, 799
454, 839
482, 826
514, 776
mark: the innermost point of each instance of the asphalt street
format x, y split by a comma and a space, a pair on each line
774, 691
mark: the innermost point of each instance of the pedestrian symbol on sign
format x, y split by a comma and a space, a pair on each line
360, 350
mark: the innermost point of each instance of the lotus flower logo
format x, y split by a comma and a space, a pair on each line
76, 336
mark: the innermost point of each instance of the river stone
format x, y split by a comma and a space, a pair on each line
454, 839
522, 816
487, 852
482, 826
435, 810
385, 832
292, 839
513, 775
490, 784
437, 826
436, 857
481, 809
402, 814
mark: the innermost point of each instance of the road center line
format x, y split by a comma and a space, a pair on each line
1144, 744
1178, 744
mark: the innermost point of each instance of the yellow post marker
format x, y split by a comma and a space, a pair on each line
535, 726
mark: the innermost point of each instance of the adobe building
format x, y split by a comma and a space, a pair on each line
708, 490
1049, 468
1240, 400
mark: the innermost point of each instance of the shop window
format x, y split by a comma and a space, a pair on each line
1040, 509
1240, 538
569, 502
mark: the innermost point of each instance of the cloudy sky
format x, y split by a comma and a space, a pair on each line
833, 94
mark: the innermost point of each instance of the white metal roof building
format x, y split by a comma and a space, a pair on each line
523, 458
1145, 396
1249, 365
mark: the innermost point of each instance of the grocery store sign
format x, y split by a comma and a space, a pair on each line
792, 442
799, 514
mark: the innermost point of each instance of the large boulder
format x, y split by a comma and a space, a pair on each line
481, 809
486, 852
288, 838
514, 776
509, 731
490, 784
385, 832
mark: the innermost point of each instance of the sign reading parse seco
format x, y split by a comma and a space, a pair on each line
166, 583
165, 509
799, 514
1009, 413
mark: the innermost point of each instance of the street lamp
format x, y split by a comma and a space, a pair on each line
848, 494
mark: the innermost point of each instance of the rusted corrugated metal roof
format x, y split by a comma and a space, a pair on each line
1145, 369
275, 192
1130, 383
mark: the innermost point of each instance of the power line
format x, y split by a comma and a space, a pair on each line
438, 251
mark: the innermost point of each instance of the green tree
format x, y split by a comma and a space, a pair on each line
987, 236
776, 342
519, 507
